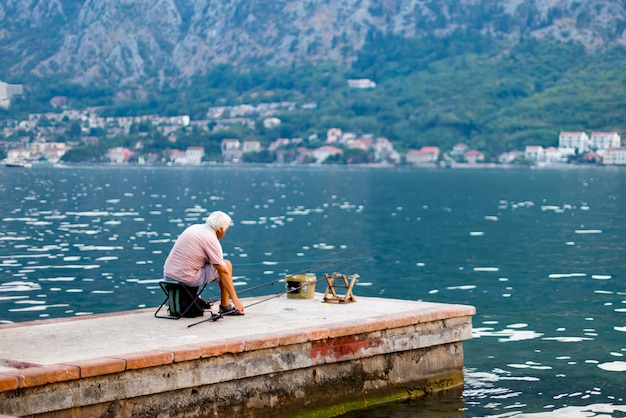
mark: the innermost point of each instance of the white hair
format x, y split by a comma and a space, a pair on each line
218, 220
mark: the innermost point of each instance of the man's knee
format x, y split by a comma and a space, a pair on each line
229, 266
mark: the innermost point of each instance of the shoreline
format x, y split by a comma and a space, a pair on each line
436, 166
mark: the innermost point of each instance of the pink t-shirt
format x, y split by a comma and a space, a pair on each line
196, 247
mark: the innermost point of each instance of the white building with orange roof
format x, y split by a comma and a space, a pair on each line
361, 143
423, 155
473, 156
178, 157
534, 153
605, 140
571, 142
553, 155
119, 155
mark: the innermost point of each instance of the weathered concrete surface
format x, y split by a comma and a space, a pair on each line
284, 355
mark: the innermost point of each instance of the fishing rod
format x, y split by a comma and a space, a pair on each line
215, 316
219, 315
284, 262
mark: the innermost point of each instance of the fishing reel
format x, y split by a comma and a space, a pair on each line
215, 316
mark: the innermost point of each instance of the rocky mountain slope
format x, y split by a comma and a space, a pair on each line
148, 42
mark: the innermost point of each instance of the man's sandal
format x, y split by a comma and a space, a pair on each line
230, 310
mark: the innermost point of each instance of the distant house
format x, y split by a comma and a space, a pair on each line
119, 155
361, 83
278, 143
593, 157
473, 156
533, 153
251, 146
510, 157
231, 150
459, 149
18, 154
194, 155
305, 155
39, 147
605, 140
59, 101
423, 155
574, 141
54, 152
384, 151
333, 135
271, 123
178, 157
26, 125
322, 153
615, 156
553, 155
361, 143
7, 92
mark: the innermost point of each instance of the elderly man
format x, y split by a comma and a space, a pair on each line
197, 258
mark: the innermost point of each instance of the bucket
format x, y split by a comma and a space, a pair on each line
301, 286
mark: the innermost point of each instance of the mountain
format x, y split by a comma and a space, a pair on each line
153, 42
494, 74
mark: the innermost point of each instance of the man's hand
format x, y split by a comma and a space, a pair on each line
238, 304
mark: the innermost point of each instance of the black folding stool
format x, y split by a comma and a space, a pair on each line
177, 295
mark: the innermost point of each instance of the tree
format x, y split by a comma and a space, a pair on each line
74, 130
83, 153
357, 156
258, 157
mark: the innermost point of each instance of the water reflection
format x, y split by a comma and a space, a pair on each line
539, 253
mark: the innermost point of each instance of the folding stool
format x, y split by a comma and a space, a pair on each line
183, 301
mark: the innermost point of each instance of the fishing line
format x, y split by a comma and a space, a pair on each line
327, 263
265, 263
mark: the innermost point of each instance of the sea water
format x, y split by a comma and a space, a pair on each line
539, 253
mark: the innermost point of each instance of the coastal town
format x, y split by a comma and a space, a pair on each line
36, 140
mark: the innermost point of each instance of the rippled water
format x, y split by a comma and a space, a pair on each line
538, 252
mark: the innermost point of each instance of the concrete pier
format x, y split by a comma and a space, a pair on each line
285, 357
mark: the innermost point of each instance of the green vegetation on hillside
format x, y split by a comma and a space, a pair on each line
491, 94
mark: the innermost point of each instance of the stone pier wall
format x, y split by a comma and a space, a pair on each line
288, 373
